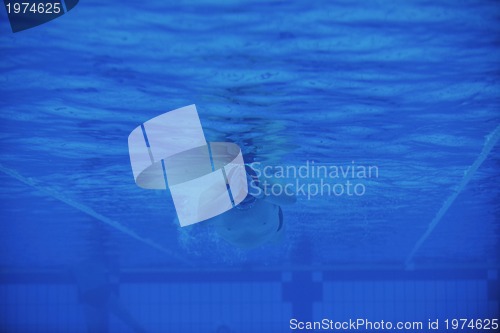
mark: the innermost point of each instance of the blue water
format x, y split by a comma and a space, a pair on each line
411, 87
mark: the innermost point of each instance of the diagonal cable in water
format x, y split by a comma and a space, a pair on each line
89, 211
488, 146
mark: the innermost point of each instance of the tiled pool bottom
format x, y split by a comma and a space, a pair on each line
251, 302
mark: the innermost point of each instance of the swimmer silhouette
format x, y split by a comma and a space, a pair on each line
258, 219
208, 181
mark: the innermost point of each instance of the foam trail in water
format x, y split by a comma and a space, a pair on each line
488, 146
89, 211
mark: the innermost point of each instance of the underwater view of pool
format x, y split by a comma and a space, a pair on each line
382, 116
